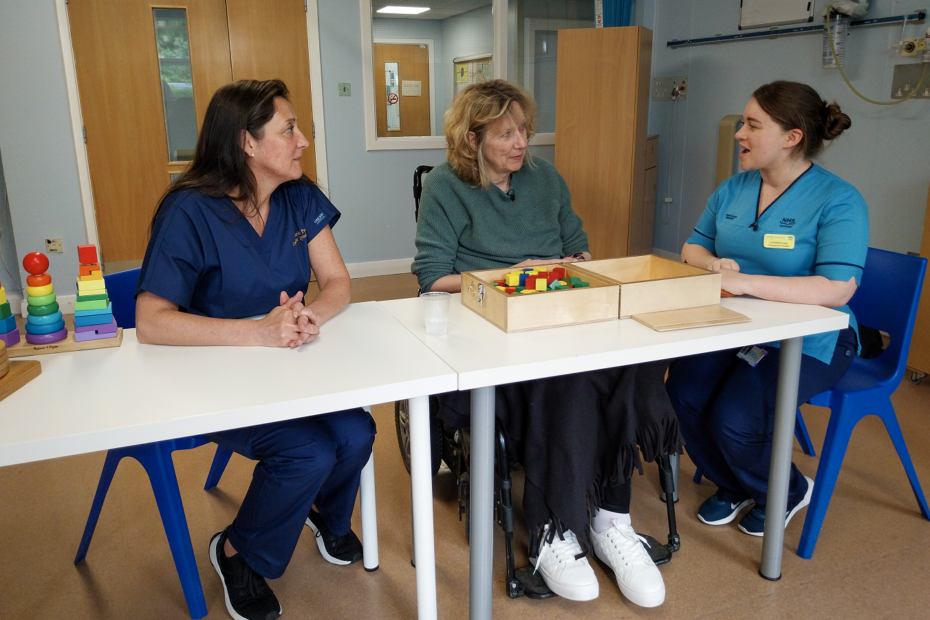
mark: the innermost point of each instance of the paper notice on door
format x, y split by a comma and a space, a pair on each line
410, 88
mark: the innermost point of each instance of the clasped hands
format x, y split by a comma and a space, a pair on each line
291, 324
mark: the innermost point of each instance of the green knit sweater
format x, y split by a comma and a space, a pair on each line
463, 228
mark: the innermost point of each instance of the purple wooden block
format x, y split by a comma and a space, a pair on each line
61, 334
105, 328
83, 336
11, 338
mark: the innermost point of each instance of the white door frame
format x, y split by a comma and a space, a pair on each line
77, 121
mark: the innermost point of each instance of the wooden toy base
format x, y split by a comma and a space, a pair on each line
64, 346
21, 373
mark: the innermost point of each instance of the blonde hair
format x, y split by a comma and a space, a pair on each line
474, 110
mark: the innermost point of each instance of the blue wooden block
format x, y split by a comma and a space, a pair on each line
94, 319
107, 310
8, 324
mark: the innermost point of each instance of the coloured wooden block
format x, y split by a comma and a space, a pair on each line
8, 324
102, 328
526, 291
530, 282
41, 280
86, 270
2, 295
512, 279
85, 313
11, 338
550, 278
541, 284
573, 280
5, 310
48, 319
87, 254
500, 288
47, 338
85, 336
51, 308
92, 296
40, 291
540, 269
94, 275
581, 285
45, 329
500, 282
91, 285
45, 300
559, 272
520, 289
98, 319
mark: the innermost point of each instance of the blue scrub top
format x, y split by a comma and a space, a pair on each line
206, 257
827, 216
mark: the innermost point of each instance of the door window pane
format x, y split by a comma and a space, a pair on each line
532, 37
177, 84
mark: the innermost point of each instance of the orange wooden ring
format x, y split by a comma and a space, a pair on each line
41, 280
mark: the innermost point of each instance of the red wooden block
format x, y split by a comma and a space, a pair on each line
510, 289
559, 273
550, 277
530, 282
500, 282
87, 254
85, 270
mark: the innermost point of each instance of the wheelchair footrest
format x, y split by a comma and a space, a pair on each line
529, 584
659, 553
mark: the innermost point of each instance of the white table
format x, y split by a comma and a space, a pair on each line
108, 398
484, 356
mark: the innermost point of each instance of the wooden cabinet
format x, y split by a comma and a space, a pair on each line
602, 108
919, 357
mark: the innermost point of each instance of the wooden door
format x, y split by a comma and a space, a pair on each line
268, 40
123, 98
413, 68
121, 102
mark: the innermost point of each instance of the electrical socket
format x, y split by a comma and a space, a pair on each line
670, 88
54, 245
906, 77
909, 47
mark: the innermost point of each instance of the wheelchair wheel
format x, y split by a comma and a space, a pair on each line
402, 424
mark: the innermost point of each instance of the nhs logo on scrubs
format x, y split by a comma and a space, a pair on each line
319, 218
786, 222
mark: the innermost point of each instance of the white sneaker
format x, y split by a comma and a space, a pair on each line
622, 549
564, 567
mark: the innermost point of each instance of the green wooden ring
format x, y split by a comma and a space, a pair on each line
44, 300
43, 310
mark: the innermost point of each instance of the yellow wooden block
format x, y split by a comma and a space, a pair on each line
513, 279
527, 291
91, 285
541, 284
94, 275
2, 295
540, 269
500, 288
40, 291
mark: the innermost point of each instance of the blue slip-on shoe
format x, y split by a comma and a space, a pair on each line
717, 511
754, 521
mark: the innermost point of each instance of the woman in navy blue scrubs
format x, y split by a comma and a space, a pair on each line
784, 230
234, 237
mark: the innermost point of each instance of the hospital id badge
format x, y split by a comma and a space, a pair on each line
778, 242
752, 355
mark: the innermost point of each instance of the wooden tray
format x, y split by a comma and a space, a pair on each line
654, 284
515, 313
21, 373
64, 346
703, 316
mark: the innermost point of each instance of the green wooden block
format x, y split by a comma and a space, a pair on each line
99, 304
520, 289
102, 296
574, 280
581, 284
5, 310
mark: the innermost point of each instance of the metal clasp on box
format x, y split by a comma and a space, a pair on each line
480, 293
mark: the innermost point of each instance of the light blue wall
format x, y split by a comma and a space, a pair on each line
40, 165
884, 153
463, 35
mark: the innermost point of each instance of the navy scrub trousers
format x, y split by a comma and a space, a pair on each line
315, 460
726, 412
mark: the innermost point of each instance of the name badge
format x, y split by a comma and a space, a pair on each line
778, 242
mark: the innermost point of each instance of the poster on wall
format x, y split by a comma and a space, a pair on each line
764, 13
472, 70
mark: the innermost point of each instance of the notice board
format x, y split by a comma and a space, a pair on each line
763, 13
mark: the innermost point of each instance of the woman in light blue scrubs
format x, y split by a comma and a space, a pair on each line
784, 230
234, 237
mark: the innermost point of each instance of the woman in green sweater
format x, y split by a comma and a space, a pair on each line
578, 436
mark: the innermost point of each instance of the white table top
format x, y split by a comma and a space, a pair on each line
106, 398
483, 355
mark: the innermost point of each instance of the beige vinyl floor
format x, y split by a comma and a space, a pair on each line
871, 560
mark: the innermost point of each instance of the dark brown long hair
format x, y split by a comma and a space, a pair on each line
219, 165
798, 106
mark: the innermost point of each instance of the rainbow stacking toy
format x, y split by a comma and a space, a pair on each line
93, 312
44, 323
9, 332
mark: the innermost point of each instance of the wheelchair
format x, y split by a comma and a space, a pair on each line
452, 446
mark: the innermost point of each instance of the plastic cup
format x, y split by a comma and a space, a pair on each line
436, 312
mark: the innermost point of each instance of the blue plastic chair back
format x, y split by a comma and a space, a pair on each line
121, 288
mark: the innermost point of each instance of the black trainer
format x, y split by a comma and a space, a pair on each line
248, 597
341, 550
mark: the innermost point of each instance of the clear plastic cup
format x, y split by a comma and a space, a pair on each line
436, 312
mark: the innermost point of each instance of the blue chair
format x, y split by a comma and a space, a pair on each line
155, 458
887, 300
